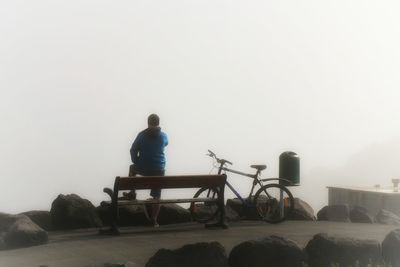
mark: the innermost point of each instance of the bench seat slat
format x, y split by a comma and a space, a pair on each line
163, 201
164, 182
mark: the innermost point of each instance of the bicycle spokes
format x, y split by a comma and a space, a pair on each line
273, 203
204, 211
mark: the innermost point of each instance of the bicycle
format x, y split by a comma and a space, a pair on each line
273, 201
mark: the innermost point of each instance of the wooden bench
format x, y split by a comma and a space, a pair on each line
165, 182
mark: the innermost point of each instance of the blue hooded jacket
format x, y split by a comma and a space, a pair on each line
147, 151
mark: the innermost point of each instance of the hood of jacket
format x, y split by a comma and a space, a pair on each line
153, 131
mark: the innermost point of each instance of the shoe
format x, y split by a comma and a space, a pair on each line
128, 195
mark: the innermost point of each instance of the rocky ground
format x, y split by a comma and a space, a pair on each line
67, 235
138, 244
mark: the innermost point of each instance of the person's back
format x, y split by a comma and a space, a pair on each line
147, 154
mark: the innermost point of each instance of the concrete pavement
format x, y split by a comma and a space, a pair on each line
137, 244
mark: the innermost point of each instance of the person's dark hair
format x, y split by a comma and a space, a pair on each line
153, 120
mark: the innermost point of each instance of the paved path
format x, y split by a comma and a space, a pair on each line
137, 244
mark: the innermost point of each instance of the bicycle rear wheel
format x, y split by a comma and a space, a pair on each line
274, 203
203, 211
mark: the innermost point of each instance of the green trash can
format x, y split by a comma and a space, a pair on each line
289, 168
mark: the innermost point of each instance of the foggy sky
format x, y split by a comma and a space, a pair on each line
248, 80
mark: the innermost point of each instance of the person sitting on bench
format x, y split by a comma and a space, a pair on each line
148, 157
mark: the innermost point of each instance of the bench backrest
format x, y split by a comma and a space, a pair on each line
183, 181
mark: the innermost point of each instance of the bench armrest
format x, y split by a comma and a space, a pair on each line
109, 192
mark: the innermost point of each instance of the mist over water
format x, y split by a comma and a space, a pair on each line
247, 80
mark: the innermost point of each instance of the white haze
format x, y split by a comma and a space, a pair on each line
248, 79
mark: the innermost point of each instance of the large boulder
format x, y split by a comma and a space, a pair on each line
387, 217
337, 213
243, 212
236, 205
132, 215
19, 231
271, 251
6, 220
391, 248
231, 215
193, 255
204, 211
302, 211
2, 243
73, 212
324, 250
360, 214
23, 233
41, 217
173, 213
322, 214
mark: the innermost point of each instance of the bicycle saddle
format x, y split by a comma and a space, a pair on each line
259, 167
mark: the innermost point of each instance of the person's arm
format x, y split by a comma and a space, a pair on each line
135, 150
165, 139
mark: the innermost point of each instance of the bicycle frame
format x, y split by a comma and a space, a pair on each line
255, 182
247, 202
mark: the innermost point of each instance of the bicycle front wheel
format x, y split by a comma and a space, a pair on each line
203, 211
274, 203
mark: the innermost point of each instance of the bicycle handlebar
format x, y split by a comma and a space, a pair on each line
221, 161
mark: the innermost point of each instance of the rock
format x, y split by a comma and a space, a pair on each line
6, 220
360, 214
387, 217
104, 213
324, 250
236, 205
2, 243
132, 215
248, 213
173, 213
73, 212
193, 255
271, 251
204, 212
23, 233
338, 213
322, 214
164, 258
231, 215
302, 211
41, 218
391, 248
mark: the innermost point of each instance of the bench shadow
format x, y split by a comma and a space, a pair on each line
130, 231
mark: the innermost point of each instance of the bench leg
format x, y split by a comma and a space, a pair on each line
113, 215
113, 229
221, 222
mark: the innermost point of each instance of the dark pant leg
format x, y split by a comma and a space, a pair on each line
132, 170
156, 193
